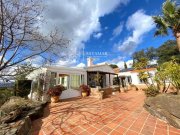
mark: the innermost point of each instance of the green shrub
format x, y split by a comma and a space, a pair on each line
23, 88
5, 94
17, 103
168, 71
151, 91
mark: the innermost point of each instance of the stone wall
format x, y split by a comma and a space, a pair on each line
16, 115
166, 107
20, 127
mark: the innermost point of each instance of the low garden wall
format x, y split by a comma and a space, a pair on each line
16, 115
166, 107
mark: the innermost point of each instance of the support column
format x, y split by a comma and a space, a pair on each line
87, 78
57, 76
119, 83
97, 79
109, 80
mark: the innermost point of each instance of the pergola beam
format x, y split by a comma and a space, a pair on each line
101, 72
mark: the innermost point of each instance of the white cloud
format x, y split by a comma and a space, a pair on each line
81, 65
97, 35
119, 61
117, 31
77, 19
139, 23
4, 59
116, 60
152, 62
36, 61
66, 62
128, 63
120, 64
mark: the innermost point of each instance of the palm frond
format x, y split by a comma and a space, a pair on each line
177, 13
169, 12
162, 32
169, 8
160, 22
177, 16
161, 26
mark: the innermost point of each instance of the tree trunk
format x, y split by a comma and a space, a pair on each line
178, 40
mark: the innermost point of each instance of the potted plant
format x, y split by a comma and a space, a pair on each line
85, 90
55, 93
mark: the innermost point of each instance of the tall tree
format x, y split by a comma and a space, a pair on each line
137, 56
169, 20
125, 65
166, 51
20, 36
149, 53
113, 65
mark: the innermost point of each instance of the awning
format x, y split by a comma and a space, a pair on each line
102, 72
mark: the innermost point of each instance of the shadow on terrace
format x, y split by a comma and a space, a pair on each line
67, 115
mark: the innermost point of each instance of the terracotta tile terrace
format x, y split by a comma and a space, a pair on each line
120, 114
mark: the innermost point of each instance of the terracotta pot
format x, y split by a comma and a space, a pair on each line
54, 99
84, 94
122, 90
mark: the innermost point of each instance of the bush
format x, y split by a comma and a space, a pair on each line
23, 88
169, 71
22, 105
151, 91
56, 90
85, 88
5, 94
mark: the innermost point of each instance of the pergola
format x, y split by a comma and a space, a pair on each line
101, 72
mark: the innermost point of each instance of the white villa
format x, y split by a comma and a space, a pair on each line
72, 78
131, 76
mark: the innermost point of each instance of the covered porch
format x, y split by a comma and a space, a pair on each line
100, 79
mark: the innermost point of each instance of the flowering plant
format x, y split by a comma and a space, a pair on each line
56, 90
84, 88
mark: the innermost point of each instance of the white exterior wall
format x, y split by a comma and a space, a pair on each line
153, 72
69, 93
33, 75
112, 76
135, 78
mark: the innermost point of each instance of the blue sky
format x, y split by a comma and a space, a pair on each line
115, 27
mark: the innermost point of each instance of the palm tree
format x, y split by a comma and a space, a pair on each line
169, 20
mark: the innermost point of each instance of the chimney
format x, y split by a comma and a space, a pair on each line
89, 62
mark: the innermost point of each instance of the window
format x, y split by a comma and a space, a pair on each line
53, 79
129, 79
63, 80
75, 81
82, 79
143, 80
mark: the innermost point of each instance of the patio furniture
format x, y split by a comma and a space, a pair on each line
107, 92
115, 88
96, 93
101, 93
